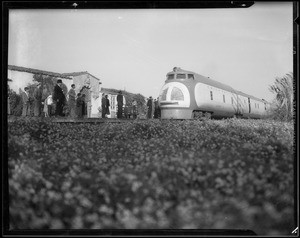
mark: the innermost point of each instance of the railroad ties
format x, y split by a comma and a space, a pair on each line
89, 120
71, 120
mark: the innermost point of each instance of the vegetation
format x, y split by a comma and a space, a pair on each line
48, 82
226, 174
283, 105
15, 101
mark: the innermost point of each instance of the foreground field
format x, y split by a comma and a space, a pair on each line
227, 174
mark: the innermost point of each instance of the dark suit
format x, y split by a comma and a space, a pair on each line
59, 98
107, 106
120, 105
79, 106
150, 106
103, 105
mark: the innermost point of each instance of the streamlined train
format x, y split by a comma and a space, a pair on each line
188, 95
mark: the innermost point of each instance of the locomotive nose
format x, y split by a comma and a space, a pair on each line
175, 101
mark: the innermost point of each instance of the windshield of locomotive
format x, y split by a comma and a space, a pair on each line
170, 76
164, 94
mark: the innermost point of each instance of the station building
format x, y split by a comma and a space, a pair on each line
20, 77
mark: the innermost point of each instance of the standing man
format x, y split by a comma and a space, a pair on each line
37, 96
158, 108
79, 105
155, 108
59, 98
103, 105
107, 111
120, 104
72, 101
149, 105
84, 106
26, 102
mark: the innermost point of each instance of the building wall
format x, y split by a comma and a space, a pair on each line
113, 105
93, 100
22, 79
19, 80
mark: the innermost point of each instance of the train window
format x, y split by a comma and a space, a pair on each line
164, 95
211, 95
180, 76
223, 98
190, 76
170, 76
177, 94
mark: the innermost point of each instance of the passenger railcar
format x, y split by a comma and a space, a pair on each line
188, 95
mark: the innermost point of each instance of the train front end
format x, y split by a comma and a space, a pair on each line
175, 98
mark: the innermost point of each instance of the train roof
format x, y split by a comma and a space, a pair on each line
214, 83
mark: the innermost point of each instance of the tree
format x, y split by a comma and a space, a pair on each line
47, 82
15, 101
284, 97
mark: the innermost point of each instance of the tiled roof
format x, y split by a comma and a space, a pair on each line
36, 71
79, 73
75, 73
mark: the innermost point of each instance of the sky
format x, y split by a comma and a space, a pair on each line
134, 49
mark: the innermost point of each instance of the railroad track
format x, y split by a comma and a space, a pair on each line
71, 120
92, 120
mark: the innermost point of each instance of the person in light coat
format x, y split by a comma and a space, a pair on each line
72, 101
48, 106
26, 102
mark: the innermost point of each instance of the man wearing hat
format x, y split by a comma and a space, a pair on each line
59, 98
37, 97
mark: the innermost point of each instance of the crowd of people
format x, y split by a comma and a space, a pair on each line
126, 111
153, 108
55, 104
47, 104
